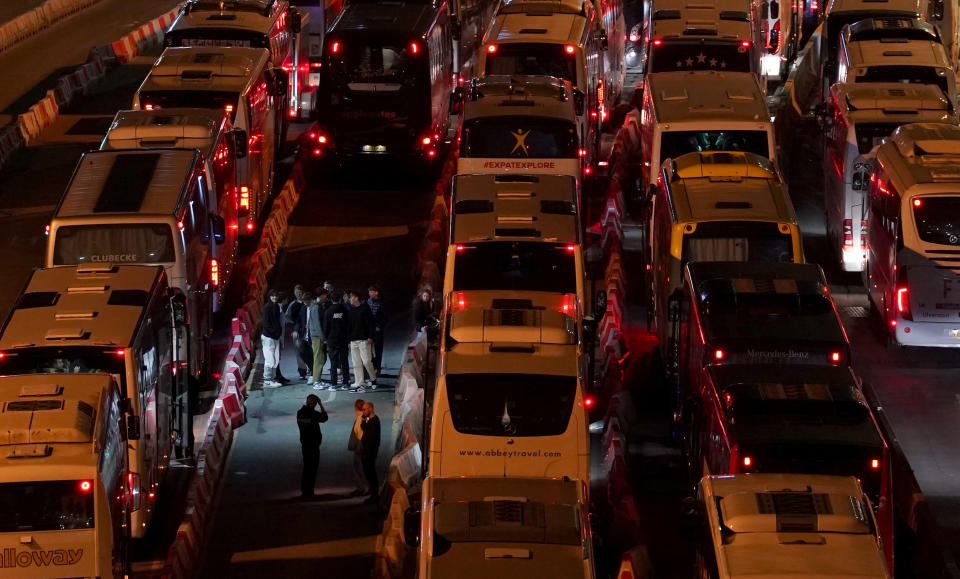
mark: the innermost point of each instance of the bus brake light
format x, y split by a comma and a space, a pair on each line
459, 248
848, 233
46, 229
875, 464
747, 462
414, 47
657, 42
903, 302
120, 353
835, 357
588, 401
426, 141
148, 107
214, 273
250, 225
719, 354
244, 197
85, 486
335, 47
917, 202
570, 48
491, 48
228, 108
745, 43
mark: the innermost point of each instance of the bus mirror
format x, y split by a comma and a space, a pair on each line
604, 42
579, 101
296, 21
219, 229
240, 143
133, 427
599, 303
411, 527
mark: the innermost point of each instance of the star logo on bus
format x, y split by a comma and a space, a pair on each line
723, 64
713, 62
701, 58
521, 143
689, 61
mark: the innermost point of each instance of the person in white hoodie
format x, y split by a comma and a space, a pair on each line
353, 445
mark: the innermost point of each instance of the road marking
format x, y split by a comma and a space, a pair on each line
341, 548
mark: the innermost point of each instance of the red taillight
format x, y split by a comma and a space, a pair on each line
46, 230
250, 226
426, 141
148, 107
461, 302
317, 152
3, 355
587, 170
214, 273
848, 233
917, 202
292, 113
719, 354
120, 352
180, 225
491, 48
814, 6
745, 43
431, 153
747, 462
86, 486
582, 152
875, 464
335, 47
657, 42
567, 304
244, 197
570, 48
588, 401
571, 248
414, 47
322, 140
634, 38
903, 302
835, 357
228, 108
460, 248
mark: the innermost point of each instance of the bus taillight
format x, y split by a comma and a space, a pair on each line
875, 464
835, 357
747, 462
491, 48
133, 491
86, 486
414, 48
903, 303
244, 197
657, 42
214, 273
46, 229
847, 233
461, 302
588, 401
719, 354
570, 49
335, 47
148, 107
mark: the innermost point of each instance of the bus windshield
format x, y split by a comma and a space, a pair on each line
737, 241
520, 137
869, 135
207, 36
536, 59
194, 99
674, 55
114, 243
61, 505
511, 404
676, 143
938, 219
515, 266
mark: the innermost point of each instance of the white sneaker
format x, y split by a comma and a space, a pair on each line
271, 384
332, 387
368, 383
309, 381
360, 390
320, 386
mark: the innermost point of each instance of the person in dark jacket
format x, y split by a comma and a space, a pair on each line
335, 330
370, 446
308, 421
380, 319
296, 318
424, 310
361, 328
271, 324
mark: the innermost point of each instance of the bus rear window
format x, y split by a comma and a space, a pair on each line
515, 266
737, 241
519, 138
206, 36
937, 219
191, 99
366, 66
536, 59
676, 143
71, 360
671, 56
120, 243
511, 404
61, 505
869, 135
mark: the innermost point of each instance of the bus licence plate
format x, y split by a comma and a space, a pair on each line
374, 148
955, 333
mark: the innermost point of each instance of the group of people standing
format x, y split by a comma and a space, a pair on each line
326, 325
363, 442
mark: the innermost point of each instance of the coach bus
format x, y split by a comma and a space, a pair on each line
270, 24
495, 527
565, 40
145, 207
857, 118
386, 82
63, 477
688, 112
913, 235
238, 81
222, 146
122, 320
716, 206
786, 525
521, 124
509, 399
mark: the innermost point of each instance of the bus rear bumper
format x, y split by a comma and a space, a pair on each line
928, 334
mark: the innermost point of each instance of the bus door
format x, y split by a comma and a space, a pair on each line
260, 123
884, 237
183, 393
